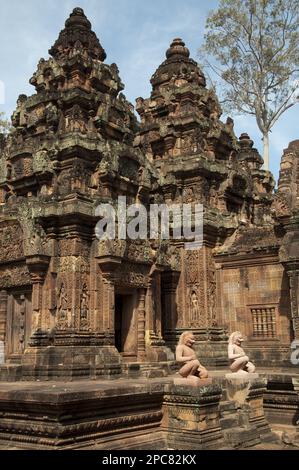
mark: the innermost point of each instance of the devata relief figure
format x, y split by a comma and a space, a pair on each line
194, 307
186, 355
239, 362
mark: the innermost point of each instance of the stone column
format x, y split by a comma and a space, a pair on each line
141, 325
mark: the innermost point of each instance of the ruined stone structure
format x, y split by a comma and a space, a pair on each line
70, 303
74, 306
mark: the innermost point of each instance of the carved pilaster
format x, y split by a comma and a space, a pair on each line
3, 313
294, 295
154, 309
158, 322
38, 266
169, 287
141, 325
109, 304
108, 265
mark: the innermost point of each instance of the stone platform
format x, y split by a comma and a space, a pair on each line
142, 413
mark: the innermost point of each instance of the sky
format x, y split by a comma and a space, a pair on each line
135, 35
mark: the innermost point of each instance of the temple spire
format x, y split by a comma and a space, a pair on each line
77, 33
177, 48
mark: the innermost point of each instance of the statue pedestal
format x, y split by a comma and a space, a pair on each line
191, 416
193, 381
241, 374
239, 384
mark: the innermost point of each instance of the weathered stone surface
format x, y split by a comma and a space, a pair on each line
81, 415
73, 306
191, 416
75, 144
2, 354
281, 400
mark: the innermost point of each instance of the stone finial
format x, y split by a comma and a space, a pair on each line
77, 30
248, 153
245, 141
177, 47
78, 18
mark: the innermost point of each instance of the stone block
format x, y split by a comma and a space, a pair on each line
2, 356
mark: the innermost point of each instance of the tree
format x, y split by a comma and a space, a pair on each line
4, 124
255, 44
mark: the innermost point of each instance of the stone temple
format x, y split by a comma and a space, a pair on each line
77, 312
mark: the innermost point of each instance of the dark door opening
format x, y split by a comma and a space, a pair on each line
125, 325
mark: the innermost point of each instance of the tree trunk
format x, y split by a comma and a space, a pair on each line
266, 150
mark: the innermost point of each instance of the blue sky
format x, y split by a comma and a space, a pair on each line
135, 35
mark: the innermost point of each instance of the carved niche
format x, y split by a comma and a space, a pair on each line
63, 319
129, 168
194, 269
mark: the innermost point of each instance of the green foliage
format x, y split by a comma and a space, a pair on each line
255, 45
4, 124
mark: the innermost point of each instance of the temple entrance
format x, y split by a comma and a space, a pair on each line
126, 325
18, 327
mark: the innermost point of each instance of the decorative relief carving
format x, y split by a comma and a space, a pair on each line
21, 323
63, 319
84, 308
191, 266
11, 241
281, 206
73, 264
211, 294
133, 275
14, 276
70, 247
194, 308
294, 286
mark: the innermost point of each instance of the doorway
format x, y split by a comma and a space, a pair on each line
126, 325
18, 328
